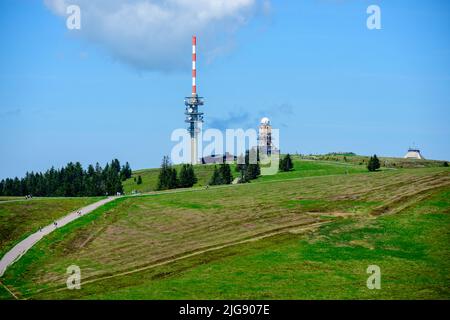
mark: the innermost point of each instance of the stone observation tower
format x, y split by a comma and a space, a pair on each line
193, 116
265, 136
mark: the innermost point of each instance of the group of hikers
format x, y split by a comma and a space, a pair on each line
55, 223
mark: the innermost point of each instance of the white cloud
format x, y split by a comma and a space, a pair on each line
156, 34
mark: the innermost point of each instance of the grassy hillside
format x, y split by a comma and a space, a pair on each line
303, 168
386, 162
150, 178
310, 168
20, 218
165, 240
411, 248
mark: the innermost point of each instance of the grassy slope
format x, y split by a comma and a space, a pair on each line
138, 231
310, 168
303, 168
411, 249
150, 178
19, 219
387, 162
322, 165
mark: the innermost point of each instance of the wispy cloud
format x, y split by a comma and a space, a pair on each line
278, 110
245, 120
278, 113
155, 34
234, 119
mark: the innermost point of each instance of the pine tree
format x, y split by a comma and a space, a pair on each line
240, 165
118, 186
16, 186
253, 170
225, 173
370, 166
187, 176
376, 162
249, 168
139, 180
216, 178
125, 172
184, 176
247, 176
70, 181
286, 163
173, 182
373, 164
289, 164
89, 181
167, 178
281, 164
192, 175
78, 180
115, 164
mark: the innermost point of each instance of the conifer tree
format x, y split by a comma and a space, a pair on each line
187, 176
225, 173
240, 165
167, 178
216, 178
373, 164
286, 163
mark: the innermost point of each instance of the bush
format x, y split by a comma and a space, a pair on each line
373, 164
286, 163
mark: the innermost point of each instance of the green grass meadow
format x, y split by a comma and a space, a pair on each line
302, 168
18, 219
150, 178
411, 248
306, 234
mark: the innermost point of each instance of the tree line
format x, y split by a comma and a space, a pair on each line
69, 181
169, 178
248, 167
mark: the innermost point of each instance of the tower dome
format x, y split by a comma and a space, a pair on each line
265, 121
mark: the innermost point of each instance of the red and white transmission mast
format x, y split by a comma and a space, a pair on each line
193, 117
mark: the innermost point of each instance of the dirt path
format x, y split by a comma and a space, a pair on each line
22, 247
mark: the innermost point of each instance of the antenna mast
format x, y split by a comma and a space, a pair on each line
193, 117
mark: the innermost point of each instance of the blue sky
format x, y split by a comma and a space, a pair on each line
325, 80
